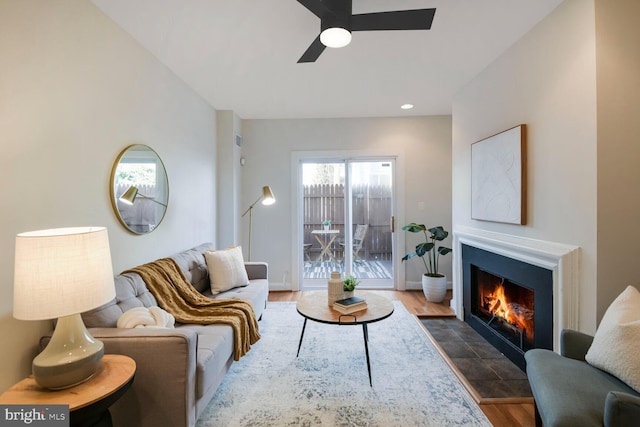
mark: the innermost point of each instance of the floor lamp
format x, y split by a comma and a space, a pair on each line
267, 199
130, 195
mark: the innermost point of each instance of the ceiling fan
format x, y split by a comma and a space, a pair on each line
337, 22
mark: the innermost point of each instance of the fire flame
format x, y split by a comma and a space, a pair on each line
514, 313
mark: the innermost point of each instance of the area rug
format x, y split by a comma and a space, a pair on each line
328, 385
361, 269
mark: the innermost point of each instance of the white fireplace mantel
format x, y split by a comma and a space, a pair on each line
563, 260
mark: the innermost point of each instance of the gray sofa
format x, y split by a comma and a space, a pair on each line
570, 392
178, 370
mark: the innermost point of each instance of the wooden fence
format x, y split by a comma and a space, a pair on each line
370, 204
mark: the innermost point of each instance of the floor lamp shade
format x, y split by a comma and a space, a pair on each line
129, 196
267, 196
60, 273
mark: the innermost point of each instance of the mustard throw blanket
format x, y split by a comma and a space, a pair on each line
175, 294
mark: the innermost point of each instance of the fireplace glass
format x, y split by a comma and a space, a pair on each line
505, 306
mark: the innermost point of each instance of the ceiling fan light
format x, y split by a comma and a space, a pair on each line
335, 37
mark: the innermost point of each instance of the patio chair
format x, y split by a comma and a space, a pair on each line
305, 248
358, 240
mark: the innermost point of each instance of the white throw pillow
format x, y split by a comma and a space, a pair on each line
616, 344
143, 317
226, 269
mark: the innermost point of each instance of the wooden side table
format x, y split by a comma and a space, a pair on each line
88, 402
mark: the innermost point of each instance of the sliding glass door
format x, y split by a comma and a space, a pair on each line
346, 221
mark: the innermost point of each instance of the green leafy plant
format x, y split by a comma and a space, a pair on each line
326, 223
349, 283
428, 247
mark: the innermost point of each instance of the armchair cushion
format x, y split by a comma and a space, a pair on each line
574, 344
621, 409
616, 344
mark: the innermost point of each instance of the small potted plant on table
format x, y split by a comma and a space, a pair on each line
434, 284
349, 285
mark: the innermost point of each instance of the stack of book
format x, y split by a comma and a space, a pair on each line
350, 305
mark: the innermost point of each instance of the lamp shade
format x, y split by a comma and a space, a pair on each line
61, 271
267, 196
129, 196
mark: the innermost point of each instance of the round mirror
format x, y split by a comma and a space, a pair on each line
139, 189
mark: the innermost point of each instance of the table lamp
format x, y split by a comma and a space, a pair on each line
60, 273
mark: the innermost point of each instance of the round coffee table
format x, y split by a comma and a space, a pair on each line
314, 306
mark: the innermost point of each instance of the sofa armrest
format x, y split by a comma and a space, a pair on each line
166, 361
574, 344
621, 409
257, 270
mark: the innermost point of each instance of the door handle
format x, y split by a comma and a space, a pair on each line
393, 224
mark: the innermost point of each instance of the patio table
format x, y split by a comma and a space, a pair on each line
325, 243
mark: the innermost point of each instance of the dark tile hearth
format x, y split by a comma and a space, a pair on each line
489, 372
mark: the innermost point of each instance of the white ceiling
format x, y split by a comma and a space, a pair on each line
241, 54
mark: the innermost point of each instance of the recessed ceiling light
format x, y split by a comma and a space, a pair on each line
406, 106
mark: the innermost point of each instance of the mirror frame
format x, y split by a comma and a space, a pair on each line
112, 185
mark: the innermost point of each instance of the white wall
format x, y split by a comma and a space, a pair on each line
75, 90
548, 81
229, 125
424, 143
618, 74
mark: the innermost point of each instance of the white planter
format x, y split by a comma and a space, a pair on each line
434, 288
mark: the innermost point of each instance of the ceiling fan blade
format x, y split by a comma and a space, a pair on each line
313, 52
315, 6
417, 19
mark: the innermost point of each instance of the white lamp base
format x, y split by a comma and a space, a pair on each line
71, 357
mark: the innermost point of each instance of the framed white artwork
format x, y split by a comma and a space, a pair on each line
498, 177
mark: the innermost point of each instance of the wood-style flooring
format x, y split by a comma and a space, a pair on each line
500, 414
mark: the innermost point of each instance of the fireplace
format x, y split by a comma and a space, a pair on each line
508, 301
562, 260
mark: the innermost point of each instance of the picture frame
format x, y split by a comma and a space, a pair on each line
498, 177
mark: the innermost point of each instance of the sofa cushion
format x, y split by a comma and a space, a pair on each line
569, 392
616, 344
257, 294
131, 292
226, 269
214, 355
193, 265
